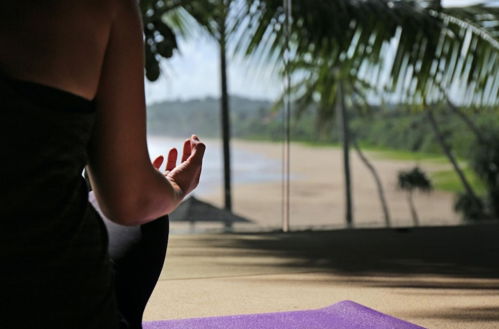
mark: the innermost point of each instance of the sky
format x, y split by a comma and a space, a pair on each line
194, 72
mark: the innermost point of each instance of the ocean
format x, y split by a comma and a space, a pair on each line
247, 167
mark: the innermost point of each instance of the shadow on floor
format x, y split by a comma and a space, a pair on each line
434, 262
461, 314
464, 251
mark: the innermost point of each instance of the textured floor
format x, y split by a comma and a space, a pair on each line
444, 277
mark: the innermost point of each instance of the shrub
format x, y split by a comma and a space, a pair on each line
471, 207
485, 162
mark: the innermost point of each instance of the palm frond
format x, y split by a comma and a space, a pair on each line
404, 47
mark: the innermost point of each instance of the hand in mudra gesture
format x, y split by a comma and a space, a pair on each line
184, 177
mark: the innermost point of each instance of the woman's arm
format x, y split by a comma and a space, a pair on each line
130, 191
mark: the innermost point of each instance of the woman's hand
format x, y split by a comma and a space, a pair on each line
184, 177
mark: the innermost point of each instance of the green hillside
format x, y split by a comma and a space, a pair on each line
202, 116
386, 128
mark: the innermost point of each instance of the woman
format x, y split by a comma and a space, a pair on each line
72, 96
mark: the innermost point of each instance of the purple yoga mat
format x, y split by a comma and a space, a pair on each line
343, 315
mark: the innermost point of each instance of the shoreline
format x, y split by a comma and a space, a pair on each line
317, 191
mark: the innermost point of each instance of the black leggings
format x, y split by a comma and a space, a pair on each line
138, 254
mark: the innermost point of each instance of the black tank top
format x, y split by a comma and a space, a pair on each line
54, 268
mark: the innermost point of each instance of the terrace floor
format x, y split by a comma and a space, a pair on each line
436, 277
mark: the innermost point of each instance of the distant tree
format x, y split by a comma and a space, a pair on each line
447, 150
377, 181
411, 181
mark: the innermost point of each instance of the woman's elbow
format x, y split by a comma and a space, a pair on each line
125, 217
135, 211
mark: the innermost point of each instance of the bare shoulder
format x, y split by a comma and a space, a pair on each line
56, 42
53, 12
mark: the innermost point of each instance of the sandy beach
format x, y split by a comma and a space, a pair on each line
317, 191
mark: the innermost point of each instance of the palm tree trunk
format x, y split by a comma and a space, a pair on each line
414, 213
473, 127
448, 152
377, 180
345, 137
225, 118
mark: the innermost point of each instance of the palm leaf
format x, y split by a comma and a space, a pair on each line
455, 48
